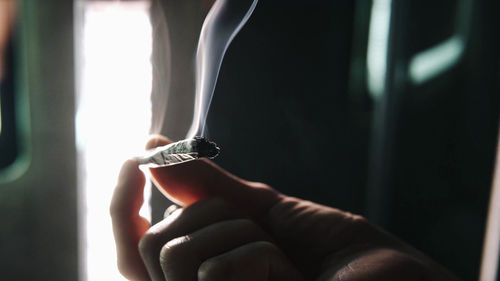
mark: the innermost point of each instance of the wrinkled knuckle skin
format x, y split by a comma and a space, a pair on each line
215, 269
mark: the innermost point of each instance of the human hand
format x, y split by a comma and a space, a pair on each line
232, 229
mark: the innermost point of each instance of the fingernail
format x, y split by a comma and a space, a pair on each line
170, 210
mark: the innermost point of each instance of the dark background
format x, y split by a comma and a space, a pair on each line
285, 112
8, 136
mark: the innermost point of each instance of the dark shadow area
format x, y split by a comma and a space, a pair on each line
283, 114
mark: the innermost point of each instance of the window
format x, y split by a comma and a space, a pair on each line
113, 69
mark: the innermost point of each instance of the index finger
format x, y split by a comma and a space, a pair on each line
128, 225
192, 181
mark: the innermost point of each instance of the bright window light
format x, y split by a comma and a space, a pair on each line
114, 74
436, 60
491, 244
378, 42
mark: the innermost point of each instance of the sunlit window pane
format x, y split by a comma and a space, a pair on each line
113, 50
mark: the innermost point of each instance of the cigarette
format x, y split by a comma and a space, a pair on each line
179, 152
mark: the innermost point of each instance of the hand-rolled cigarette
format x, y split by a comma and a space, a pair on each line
179, 152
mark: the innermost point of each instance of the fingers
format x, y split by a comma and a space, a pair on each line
256, 261
181, 223
192, 181
157, 140
181, 257
170, 210
206, 228
128, 226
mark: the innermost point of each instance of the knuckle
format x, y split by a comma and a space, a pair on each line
148, 243
244, 225
215, 269
219, 202
258, 185
266, 247
267, 251
359, 222
359, 228
174, 248
249, 227
360, 219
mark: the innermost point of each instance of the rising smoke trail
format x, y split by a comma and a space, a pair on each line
222, 24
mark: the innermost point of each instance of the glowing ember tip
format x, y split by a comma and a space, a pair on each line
179, 152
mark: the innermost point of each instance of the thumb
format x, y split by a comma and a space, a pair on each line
189, 182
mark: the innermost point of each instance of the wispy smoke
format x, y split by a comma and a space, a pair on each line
161, 67
182, 29
223, 22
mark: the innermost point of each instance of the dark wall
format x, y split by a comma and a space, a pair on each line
283, 113
444, 138
38, 233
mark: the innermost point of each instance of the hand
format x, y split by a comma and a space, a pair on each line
232, 229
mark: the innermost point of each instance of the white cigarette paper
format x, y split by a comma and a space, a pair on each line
179, 152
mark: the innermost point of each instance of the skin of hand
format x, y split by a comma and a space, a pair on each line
232, 229
7, 11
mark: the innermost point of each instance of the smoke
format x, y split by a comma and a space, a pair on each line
222, 23
161, 67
